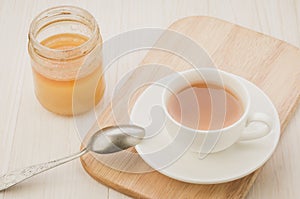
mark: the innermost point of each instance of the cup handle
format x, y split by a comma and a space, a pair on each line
249, 134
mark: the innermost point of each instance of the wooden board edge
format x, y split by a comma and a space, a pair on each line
204, 17
110, 185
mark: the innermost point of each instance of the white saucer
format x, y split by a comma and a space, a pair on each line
233, 163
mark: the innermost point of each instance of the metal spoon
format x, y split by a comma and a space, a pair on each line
107, 140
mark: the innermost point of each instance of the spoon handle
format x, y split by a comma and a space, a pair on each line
14, 177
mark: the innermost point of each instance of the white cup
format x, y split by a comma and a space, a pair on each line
209, 141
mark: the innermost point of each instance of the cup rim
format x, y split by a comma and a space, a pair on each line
199, 131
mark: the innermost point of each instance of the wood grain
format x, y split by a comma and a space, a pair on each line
29, 134
252, 55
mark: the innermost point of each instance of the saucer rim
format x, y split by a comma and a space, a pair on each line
228, 179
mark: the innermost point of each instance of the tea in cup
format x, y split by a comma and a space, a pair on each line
209, 110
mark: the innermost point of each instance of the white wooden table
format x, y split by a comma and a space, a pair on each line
29, 134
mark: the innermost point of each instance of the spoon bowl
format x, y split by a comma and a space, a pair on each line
113, 139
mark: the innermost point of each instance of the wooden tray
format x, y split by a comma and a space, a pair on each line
271, 64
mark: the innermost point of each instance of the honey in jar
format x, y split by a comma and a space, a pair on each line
66, 59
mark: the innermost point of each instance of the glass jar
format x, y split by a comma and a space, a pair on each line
65, 47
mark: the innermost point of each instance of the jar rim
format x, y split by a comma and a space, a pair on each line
62, 54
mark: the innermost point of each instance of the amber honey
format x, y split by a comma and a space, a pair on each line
71, 94
65, 47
